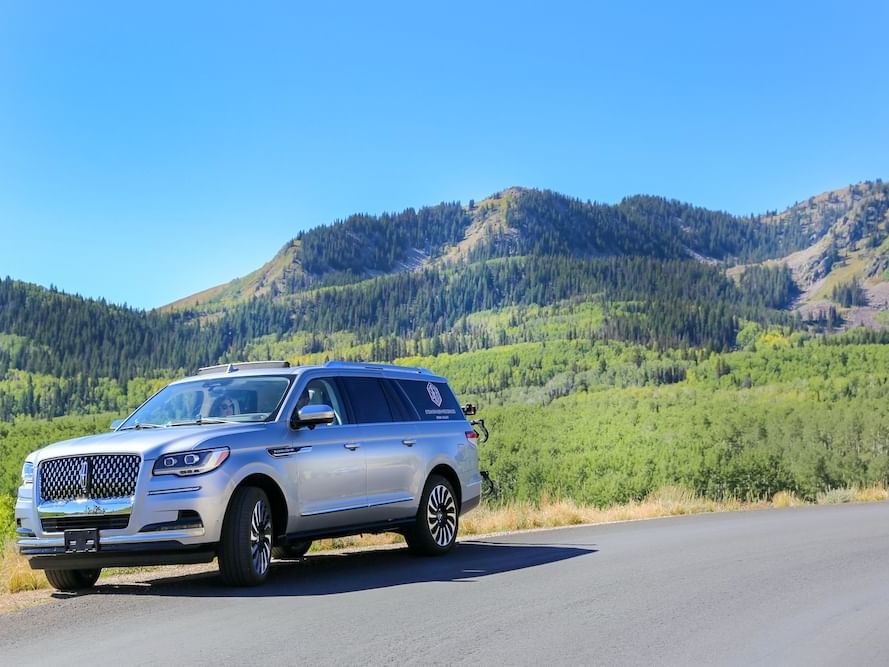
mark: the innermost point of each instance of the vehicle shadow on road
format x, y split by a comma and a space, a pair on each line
365, 570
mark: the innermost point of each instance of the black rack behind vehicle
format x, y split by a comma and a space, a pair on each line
489, 487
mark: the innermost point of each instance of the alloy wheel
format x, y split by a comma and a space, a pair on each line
261, 537
441, 515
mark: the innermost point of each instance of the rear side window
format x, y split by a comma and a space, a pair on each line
401, 406
368, 400
433, 400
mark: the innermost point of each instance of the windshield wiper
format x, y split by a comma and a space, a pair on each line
203, 420
139, 427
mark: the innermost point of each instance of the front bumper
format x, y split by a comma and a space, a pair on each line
166, 552
155, 532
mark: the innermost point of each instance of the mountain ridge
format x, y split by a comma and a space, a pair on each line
649, 272
516, 220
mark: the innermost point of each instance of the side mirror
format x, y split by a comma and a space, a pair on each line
312, 416
116, 424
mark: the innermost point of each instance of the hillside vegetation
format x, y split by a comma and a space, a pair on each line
615, 349
608, 422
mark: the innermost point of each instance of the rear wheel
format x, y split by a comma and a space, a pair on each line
72, 580
434, 532
291, 551
246, 548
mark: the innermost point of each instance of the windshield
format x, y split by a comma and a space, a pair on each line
244, 399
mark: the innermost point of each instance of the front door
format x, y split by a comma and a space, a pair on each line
328, 466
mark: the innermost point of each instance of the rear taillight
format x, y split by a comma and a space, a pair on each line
471, 435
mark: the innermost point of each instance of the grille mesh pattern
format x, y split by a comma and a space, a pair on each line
102, 476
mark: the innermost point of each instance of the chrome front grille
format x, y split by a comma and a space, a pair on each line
96, 477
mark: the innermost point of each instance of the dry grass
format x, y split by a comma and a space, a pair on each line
369, 540
867, 494
786, 499
835, 497
670, 501
871, 494
16, 575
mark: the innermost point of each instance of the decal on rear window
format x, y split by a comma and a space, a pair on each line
433, 400
434, 394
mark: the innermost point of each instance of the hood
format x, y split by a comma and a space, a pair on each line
149, 443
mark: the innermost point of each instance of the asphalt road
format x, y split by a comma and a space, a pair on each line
797, 586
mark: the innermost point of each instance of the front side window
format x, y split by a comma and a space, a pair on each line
244, 399
322, 391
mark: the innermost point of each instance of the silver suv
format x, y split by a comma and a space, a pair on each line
246, 462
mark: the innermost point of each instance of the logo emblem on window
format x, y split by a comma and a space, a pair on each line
434, 394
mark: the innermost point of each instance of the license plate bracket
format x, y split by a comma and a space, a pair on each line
82, 541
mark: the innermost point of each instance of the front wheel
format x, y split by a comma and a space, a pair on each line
72, 580
245, 552
434, 531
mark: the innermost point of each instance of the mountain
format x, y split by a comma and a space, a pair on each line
514, 222
848, 251
614, 349
832, 240
520, 266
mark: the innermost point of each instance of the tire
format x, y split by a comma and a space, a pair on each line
434, 532
72, 580
291, 551
245, 551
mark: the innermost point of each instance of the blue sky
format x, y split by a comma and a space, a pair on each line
148, 152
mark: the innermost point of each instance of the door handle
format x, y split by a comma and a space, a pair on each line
408, 443
352, 446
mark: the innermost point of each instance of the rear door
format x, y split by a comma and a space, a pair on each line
389, 440
441, 431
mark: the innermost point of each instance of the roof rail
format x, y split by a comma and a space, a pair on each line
242, 365
377, 367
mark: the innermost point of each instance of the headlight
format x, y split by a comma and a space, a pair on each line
28, 473
195, 462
